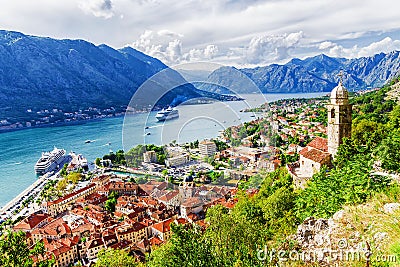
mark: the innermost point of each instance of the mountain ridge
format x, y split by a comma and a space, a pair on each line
39, 73
313, 74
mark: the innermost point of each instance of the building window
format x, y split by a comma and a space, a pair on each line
333, 113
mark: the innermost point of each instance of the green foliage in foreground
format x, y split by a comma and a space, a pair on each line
328, 192
14, 251
388, 151
116, 258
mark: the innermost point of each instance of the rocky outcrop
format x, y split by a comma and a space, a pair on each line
391, 207
394, 94
313, 233
324, 241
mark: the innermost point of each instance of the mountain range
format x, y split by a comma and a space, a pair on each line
39, 73
313, 74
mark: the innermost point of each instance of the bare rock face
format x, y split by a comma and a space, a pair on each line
391, 207
339, 215
314, 232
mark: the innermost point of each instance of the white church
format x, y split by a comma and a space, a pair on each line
320, 151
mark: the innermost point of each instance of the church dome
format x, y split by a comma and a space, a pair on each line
339, 94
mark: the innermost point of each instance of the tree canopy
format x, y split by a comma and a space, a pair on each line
115, 258
15, 251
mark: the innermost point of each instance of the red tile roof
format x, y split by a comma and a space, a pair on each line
165, 226
319, 143
168, 196
315, 155
56, 248
30, 222
192, 202
56, 228
303, 151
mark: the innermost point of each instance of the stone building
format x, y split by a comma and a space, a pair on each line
339, 118
314, 156
320, 151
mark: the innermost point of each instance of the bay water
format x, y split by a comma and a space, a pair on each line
21, 149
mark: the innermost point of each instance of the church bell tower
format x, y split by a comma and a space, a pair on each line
339, 118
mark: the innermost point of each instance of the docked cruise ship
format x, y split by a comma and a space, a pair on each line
167, 114
50, 161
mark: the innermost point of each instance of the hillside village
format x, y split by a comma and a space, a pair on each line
182, 182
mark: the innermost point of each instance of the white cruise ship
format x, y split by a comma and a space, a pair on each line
50, 161
167, 114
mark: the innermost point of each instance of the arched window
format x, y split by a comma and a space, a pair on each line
333, 113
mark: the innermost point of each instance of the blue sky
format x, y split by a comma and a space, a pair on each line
240, 33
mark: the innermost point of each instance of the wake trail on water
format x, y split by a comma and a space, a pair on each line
13, 163
155, 126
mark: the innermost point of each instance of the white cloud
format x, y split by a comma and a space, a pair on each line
167, 46
169, 34
224, 31
326, 45
174, 50
98, 8
269, 48
161, 44
210, 51
385, 45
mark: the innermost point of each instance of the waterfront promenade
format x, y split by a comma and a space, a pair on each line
7, 212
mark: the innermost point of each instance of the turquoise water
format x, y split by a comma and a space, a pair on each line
21, 149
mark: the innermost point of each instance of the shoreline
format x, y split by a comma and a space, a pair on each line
81, 122
5, 210
15, 199
49, 125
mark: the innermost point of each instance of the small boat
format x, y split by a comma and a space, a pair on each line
148, 133
88, 141
147, 127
